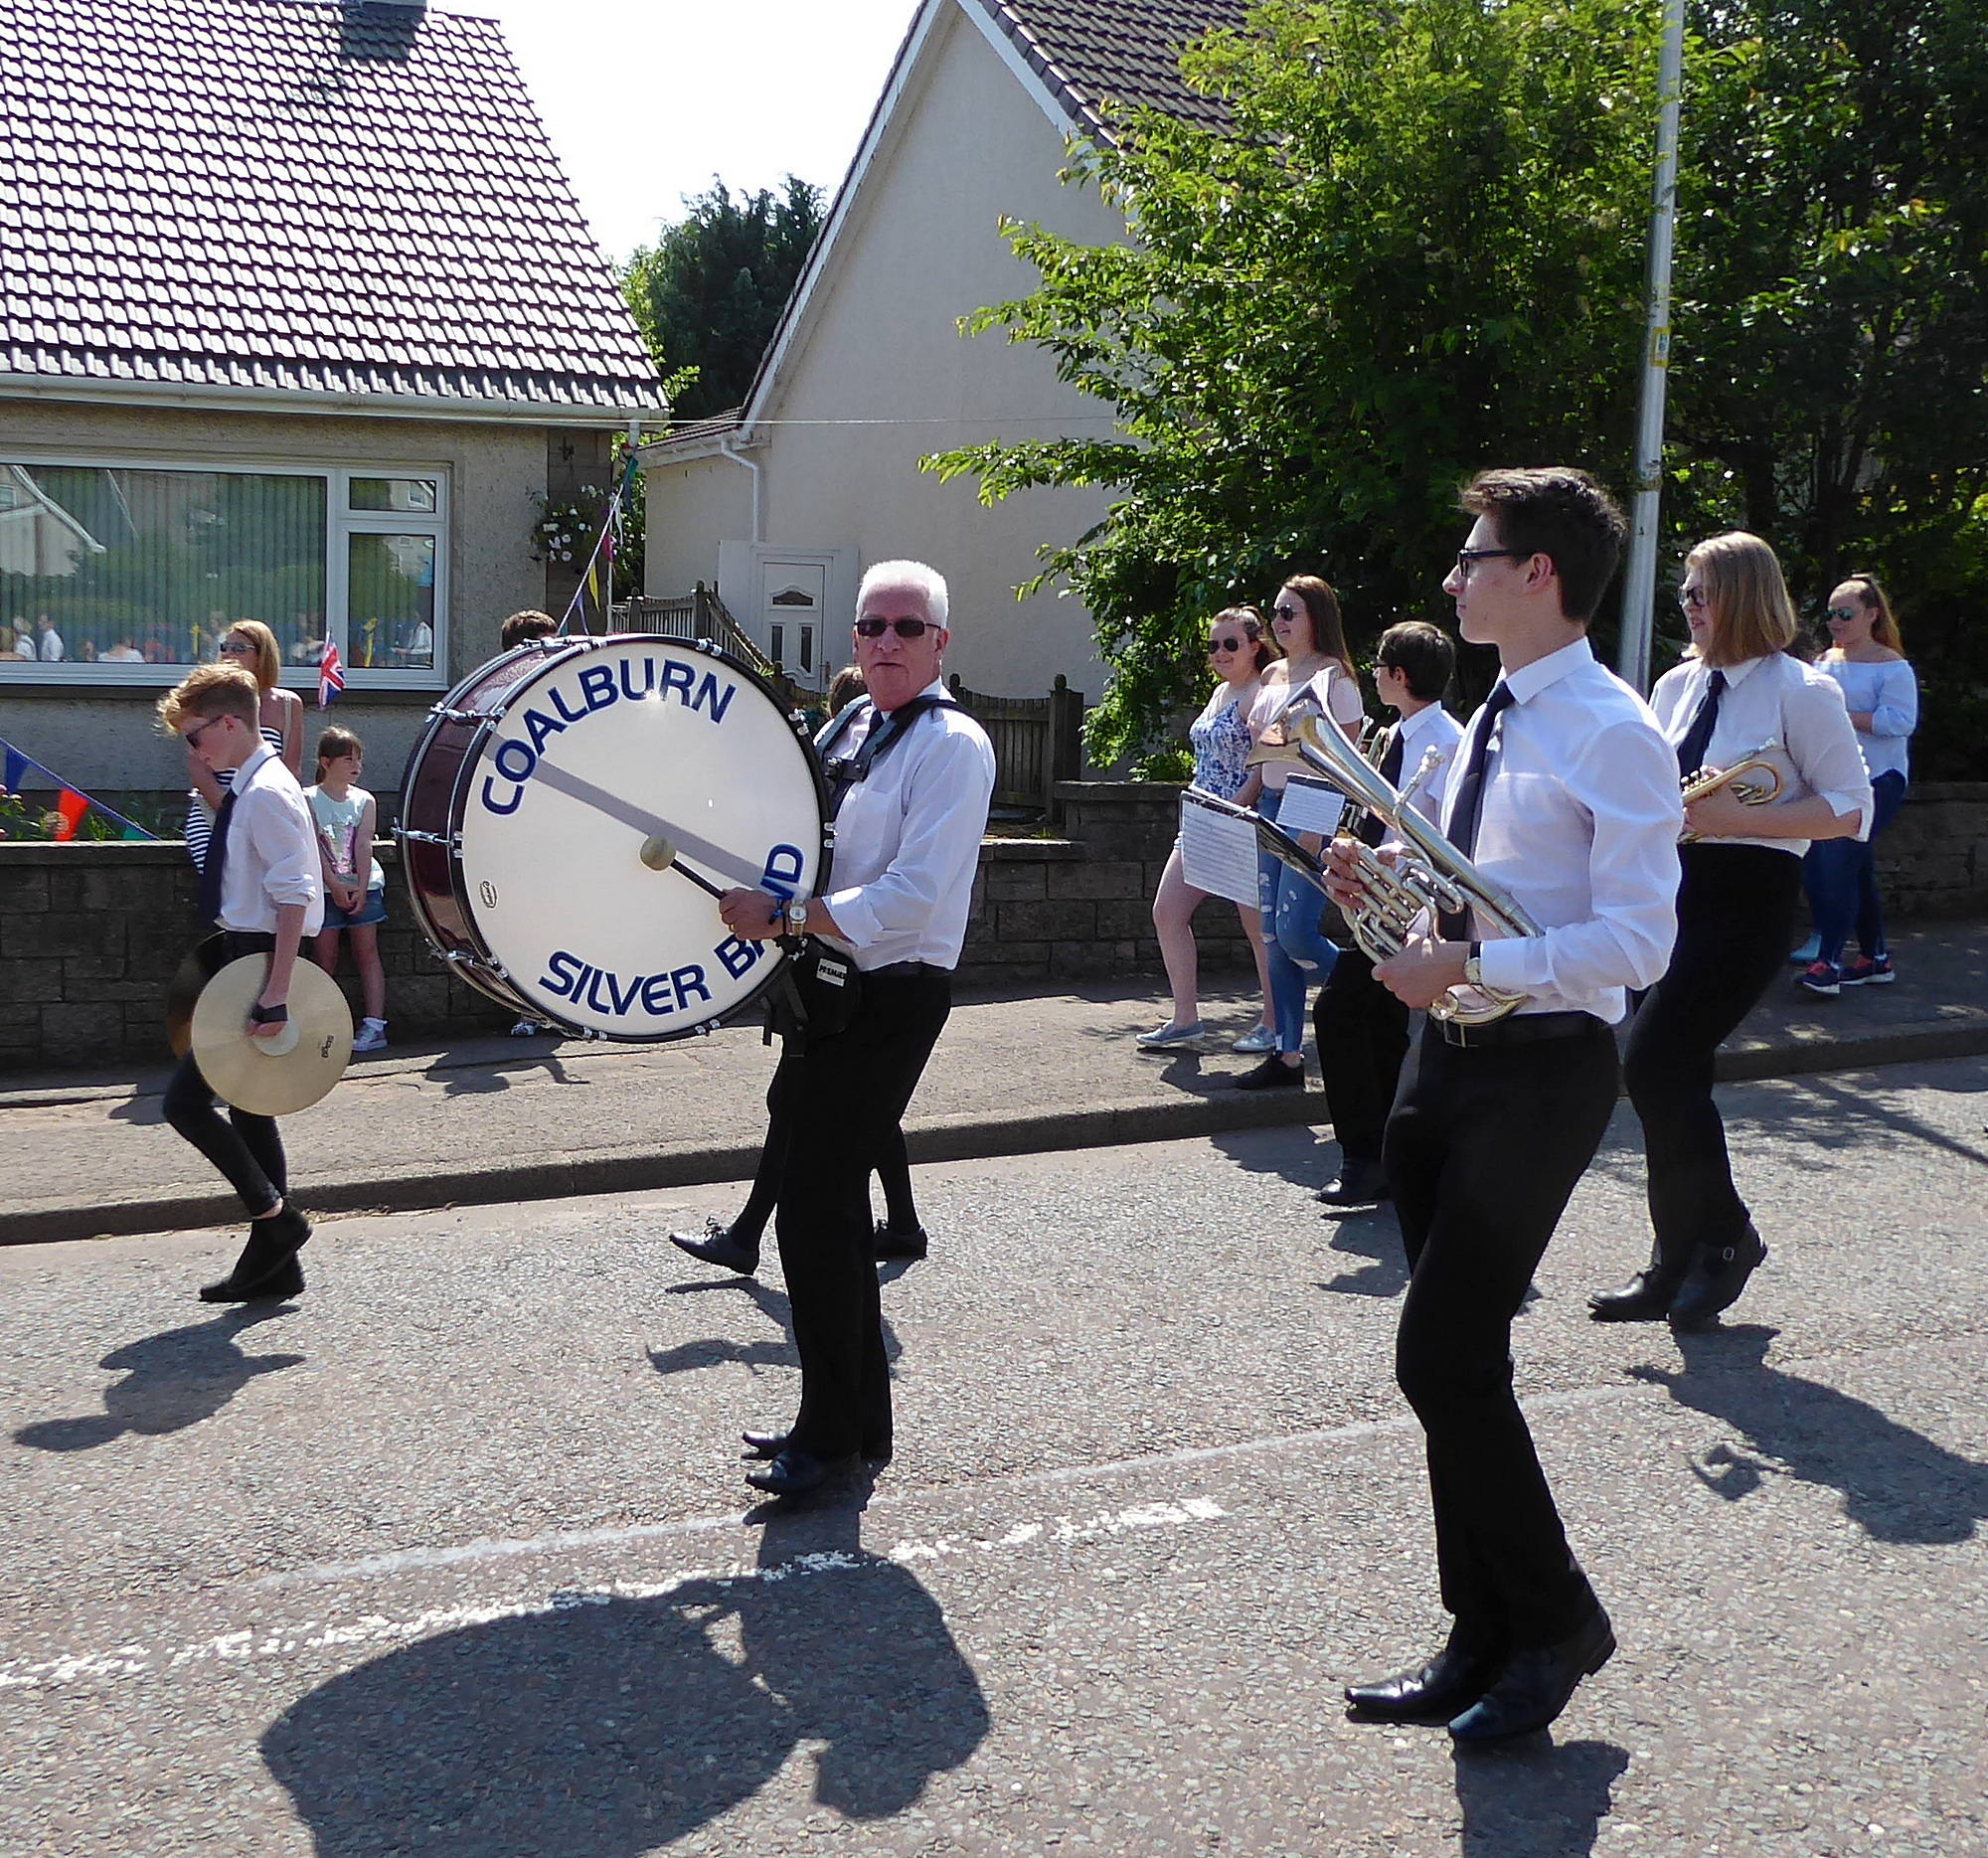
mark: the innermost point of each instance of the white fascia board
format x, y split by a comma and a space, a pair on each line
903, 73
662, 452
980, 12
91, 391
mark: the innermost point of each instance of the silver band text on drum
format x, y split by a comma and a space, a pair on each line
598, 687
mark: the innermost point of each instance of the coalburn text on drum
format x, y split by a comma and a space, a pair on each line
597, 687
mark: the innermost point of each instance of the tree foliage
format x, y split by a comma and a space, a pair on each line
1418, 249
709, 293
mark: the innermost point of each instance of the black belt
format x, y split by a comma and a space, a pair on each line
1519, 1029
904, 967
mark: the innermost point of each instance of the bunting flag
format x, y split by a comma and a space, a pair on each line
597, 583
70, 810
330, 674
70, 802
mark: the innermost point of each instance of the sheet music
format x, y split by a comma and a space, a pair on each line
1310, 805
1218, 852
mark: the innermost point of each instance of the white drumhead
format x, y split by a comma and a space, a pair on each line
602, 766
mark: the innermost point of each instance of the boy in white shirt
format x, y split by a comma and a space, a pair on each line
261, 886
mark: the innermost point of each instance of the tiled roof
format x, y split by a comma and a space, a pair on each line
334, 198
1125, 50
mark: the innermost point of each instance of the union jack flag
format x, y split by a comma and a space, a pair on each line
330, 674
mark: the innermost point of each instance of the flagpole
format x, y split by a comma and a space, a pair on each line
1639, 580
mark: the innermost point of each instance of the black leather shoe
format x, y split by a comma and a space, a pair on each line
718, 1247
796, 1473
1444, 1687
892, 1244
771, 1444
268, 1266
1717, 1276
1271, 1075
1359, 1184
1532, 1687
1646, 1298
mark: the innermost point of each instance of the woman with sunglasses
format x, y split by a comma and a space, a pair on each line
250, 644
1867, 660
1316, 677
1742, 695
1241, 651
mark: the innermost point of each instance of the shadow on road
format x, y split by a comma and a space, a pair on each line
1533, 1797
1375, 1238
763, 1352
172, 1380
610, 1727
1897, 1485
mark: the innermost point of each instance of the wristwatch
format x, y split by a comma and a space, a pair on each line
798, 917
1473, 975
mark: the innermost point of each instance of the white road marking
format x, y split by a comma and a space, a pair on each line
379, 1632
558, 1542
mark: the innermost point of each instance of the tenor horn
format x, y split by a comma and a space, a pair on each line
1429, 874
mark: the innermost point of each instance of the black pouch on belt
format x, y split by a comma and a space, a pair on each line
816, 994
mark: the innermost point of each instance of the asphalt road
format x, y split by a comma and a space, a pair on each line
450, 1557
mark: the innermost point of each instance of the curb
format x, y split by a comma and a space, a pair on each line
966, 1137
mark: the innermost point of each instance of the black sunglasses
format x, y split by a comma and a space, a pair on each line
905, 628
193, 736
1224, 644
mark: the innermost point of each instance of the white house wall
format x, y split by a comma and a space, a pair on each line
107, 739
879, 342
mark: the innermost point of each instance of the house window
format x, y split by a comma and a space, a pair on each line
107, 567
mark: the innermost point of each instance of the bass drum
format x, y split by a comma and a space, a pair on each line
570, 812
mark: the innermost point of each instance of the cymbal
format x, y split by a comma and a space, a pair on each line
203, 961
292, 1071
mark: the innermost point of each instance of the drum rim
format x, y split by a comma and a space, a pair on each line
556, 651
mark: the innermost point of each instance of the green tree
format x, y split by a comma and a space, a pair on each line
1418, 249
1831, 376
1414, 251
709, 293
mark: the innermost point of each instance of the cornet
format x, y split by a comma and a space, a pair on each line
1753, 779
1432, 875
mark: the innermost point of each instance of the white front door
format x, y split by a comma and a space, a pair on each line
793, 604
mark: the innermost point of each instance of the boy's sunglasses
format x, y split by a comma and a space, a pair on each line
905, 628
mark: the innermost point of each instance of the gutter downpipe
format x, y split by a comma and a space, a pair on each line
1639, 583
724, 452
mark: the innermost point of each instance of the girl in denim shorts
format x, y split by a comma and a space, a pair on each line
355, 887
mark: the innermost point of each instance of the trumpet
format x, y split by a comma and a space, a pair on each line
1433, 875
1755, 781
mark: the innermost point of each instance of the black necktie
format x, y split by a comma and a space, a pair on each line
1698, 738
1373, 830
217, 861
1469, 802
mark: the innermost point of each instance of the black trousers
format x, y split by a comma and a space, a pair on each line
247, 1150
1735, 915
1483, 1149
1362, 1036
842, 1099
894, 1175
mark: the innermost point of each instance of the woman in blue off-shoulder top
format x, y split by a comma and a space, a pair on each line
1841, 875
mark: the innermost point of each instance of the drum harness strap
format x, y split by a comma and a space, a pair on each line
826, 967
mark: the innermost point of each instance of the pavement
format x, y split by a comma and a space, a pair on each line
492, 1121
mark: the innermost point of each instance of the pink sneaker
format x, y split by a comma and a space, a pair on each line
1823, 977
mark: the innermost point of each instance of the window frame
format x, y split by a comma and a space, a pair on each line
341, 523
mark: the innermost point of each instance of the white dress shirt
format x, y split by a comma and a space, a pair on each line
271, 849
1789, 707
907, 840
1433, 728
1579, 823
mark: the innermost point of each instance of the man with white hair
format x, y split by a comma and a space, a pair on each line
910, 775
